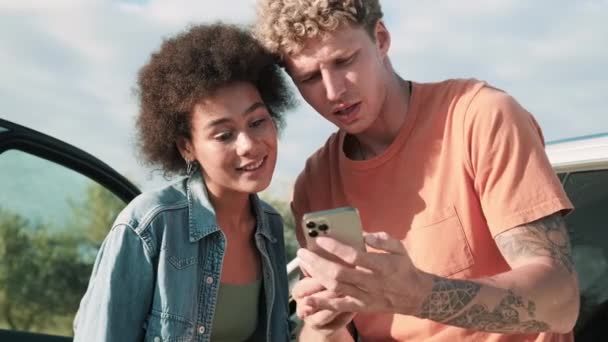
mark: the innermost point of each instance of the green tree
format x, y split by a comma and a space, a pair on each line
44, 271
94, 216
41, 275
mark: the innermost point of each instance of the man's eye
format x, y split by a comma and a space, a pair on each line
346, 61
224, 136
310, 78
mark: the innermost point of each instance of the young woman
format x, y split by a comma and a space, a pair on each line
202, 259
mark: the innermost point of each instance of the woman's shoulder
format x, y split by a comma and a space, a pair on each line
144, 208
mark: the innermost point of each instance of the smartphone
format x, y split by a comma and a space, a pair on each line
342, 224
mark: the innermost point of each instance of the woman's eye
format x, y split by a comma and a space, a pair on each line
224, 136
258, 123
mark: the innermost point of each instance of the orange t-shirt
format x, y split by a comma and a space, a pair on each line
468, 164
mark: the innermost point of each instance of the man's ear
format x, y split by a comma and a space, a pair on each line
184, 147
383, 38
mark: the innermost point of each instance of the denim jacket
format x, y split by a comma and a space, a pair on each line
157, 273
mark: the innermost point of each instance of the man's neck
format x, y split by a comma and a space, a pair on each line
377, 138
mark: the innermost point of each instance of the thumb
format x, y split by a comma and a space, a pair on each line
384, 242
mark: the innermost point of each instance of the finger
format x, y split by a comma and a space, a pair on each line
364, 261
338, 304
348, 254
338, 288
339, 321
304, 272
305, 310
306, 287
384, 242
333, 276
322, 318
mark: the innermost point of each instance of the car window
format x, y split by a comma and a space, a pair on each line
588, 225
52, 222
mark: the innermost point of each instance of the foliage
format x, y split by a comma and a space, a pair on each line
41, 274
94, 215
44, 271
289, 227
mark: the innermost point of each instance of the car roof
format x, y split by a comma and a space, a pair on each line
579, 154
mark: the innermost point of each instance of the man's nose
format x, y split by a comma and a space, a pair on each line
334, 85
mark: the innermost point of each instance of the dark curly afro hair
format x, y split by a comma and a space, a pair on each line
190, 67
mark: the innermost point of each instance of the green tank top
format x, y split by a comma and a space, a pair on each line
236, 313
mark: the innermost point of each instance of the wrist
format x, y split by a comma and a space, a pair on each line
309, 333
423, 289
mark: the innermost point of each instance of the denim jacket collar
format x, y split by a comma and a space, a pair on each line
201, 215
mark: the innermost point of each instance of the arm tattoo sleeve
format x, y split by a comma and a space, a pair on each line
451, 302
454, 302
545, 237
447, 298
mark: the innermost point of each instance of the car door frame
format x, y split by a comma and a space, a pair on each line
17, 137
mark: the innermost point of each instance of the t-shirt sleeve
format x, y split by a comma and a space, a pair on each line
505, 153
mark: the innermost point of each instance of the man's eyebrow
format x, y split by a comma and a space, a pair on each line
339, 55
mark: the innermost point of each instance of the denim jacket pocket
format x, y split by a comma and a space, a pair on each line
181, 263
164, 327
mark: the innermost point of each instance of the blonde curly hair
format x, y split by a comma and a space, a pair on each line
283, 25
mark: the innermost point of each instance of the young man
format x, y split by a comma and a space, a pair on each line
462, 211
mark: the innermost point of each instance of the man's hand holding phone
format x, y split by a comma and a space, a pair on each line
384, 280
342, 224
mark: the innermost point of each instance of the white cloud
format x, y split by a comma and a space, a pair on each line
550, 55
179, 12
68, 66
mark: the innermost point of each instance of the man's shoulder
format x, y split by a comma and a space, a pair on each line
465, 98
460, 87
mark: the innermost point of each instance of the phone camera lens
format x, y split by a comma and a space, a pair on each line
323, 227
310, 224
313, 233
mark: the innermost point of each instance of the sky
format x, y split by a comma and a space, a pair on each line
68, 67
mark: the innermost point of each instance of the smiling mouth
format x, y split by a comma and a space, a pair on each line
252, 166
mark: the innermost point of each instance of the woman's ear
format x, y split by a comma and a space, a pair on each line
184, 146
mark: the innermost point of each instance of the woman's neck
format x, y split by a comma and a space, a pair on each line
233, 211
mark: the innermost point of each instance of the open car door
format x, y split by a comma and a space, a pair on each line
57, 203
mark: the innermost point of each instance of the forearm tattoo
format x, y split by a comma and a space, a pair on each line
545, 237
504, 318
451, 302
447, 298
